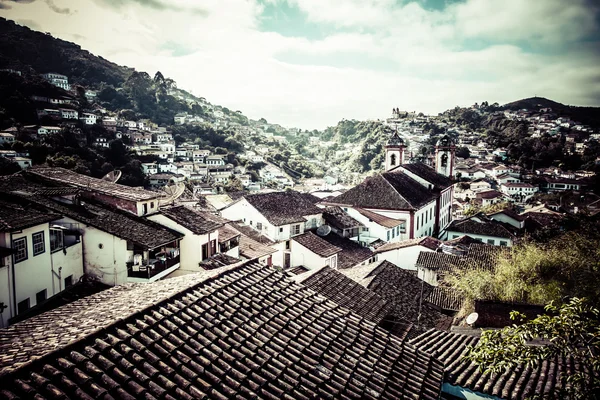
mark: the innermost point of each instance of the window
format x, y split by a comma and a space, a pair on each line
23, 306
281, 230
56, 239
38, 243
69, 281
40, 296
145, 209
417, 222
388, 236
20, 246
152, 204
503, 243
259, 226
490, 241
393, 233
296, 229
287, 245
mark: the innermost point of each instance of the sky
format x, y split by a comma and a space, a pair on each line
311, 63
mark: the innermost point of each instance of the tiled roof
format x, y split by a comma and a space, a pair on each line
316, 244
227, 232
488, 194
404, 291
446, 298
426, 241
252, 233
427, 173
199, 222
218, 260
251, 249
342, 290
17, 214
379, 219
282, 208
391, 190
485, 228
121, 224
510, 213
515, 384
66, 177
242, 332
339, 219
464, 240
352, 253
435, 261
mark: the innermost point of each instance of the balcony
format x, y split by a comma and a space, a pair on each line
151, 270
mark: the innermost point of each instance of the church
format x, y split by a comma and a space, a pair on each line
407, 200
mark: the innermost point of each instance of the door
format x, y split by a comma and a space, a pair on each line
286, 260
205, 251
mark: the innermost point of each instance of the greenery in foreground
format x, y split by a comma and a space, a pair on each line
539, 273
569, 331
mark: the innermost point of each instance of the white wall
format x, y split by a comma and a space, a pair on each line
426, 220
305, 257
496, 241
508, 220
109, 263
405, 258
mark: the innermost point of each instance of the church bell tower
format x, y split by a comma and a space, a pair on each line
444, 156
394, 152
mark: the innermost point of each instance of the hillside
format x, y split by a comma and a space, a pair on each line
585, 115
24, 49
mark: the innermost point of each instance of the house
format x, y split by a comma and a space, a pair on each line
342, 223
150, 168
251, 332
67, 113
560, 184
215, 160
6, 137
481, 228
279, 216
507, 178
133, 200
404, 254
200, 232
470, 172
101, 142
480, 185
110, 123
32, 246
88, 118
24, 162
57, 80
523, 381
519, 191
510, 217
490, 197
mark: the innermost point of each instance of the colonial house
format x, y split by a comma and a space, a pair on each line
507, 178
404, 254
510, 217
200, 232
552, 184
405, 202
35, 262
133, 200
520, 191
489, 197
481, 228
215, 160
57, 80
279, 216
311, 251
67, 113
88, 118
6, 137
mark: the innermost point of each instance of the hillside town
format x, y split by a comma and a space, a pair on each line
183, 250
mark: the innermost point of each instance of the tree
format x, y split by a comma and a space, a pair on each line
8, 167
463, 152
570, 331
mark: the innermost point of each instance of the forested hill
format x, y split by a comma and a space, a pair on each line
586, 115
25, 50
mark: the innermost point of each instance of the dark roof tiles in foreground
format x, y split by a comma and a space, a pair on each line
245, 332
282, 208
515, 384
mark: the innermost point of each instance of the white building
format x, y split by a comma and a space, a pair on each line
404, 254
88, 118
6, 137
521, 191
57, 80
67, 113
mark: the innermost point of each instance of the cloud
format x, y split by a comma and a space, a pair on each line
57, 9
376, 54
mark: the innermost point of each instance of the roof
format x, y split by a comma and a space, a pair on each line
446, 298
395, 140
379, 219
426, 241
222, 334
509, 213
227, 232
339, 219
404, 291
389, 191
64, 176
16, 214
316, 244
515, 384
252, 233
218, 260
282, 208
489, 194
352, 253
485, 228
435, 261
251, 249
199, 222
518, 184
439, 181
342, 290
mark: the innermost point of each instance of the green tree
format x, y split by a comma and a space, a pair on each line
570, 331
8, 167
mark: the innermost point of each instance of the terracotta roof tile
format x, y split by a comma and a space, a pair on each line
241, 332
199, 222
485, 228
380, 219
446, 298
427, 173
519, 383
352, 253
339, 219
426, 241
316, 244
17, 214
282, 208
